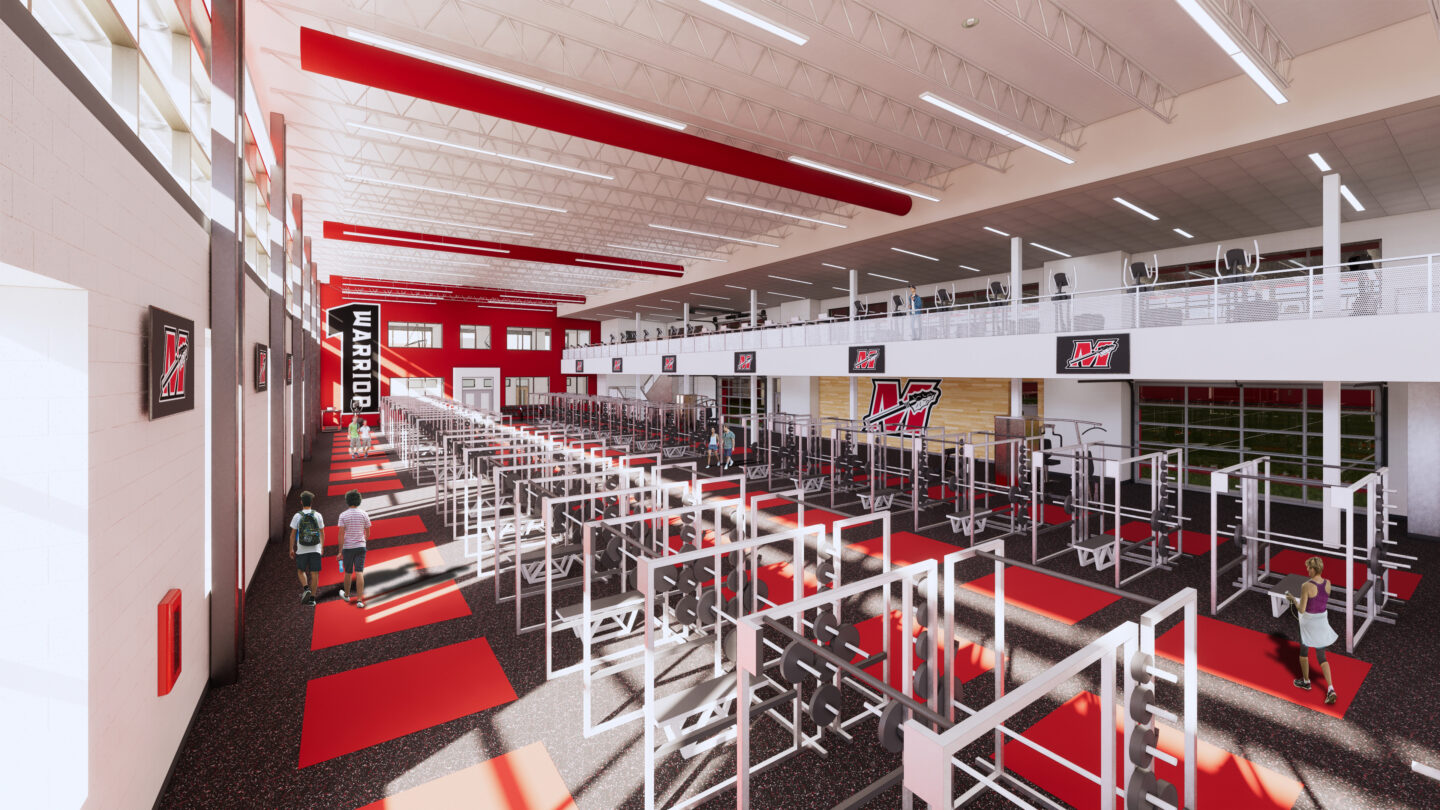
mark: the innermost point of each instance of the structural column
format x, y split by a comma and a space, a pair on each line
754, 383
227, 602
854, 296
1330, 452
854, 393
1017, 387
299, 346
277, 389
1330, 243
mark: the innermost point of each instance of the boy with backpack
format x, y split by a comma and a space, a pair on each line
307, 546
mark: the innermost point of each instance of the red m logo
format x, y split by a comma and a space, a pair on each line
1091, 354
745, 362
865, 359
893, 409
177, 350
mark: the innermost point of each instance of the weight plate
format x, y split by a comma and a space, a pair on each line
923, 647
1141, 783
733, 608
667, 577
1139, 739
733, 580
686, 548
825, 626
705, 607
685, 610
1376, 567
1166, 792
846, 640
795, 654
889, 729
705, 568
825, 704
762, 589
922, 616
1139, 699
922, 680
612, 548
825, 573
688, 581
1139, 662
730, 644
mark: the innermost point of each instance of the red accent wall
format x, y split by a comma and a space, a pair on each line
443, 361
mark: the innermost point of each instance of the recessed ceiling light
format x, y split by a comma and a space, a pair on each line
888, 278
1350, 198
860, 177
665, 253
746, 15
1137, 209
773, 211
714, 236
1319, 162
796, 280
836, 266
913, 253
1208, 23
968, 267
1052, 250
668, 301
1184, 233
428, 242
995, 230
510, 78
733, 287
708, 295
956, 109
647, 306
841, 289
785, 295
490, 153
397, 184
446, 223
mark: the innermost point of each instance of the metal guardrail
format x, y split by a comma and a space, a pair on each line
1398, 286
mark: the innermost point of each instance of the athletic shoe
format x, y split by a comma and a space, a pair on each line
343, 596
1299, 684
308, 600
1331, 697
304, 592
360, 603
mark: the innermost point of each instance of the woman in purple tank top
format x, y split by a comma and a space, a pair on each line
1313, 607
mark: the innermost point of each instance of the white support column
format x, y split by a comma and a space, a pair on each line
754, 308
854, 390
854, 296
1017, 387
1330, 451
1330, 242
637, 326
754, 383
1017, 261
771, 402
685, 317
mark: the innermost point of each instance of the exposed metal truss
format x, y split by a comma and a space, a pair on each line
1244, 20
900, 45
1071, 36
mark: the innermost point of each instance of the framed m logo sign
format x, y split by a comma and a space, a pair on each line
617, 365
867, 360
177, 351
894, 409
667, 364
170, 363
744, 362
1093, 354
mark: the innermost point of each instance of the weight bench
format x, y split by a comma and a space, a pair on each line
809, 485
756, 471
1097, 550
562, 559
882, 500
623, 609
698, 706
960, 524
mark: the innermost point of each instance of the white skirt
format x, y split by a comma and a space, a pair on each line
1315, 630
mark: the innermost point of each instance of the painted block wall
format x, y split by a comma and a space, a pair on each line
76, 207
256, 417
441, 362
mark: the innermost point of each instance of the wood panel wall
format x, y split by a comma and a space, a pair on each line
966, 404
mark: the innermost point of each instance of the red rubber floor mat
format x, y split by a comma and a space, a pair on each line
339, 623
1051, 597
905, 548
365, 486
1266, 662
366, 472
524, 779
1224, 779
352, 710
971, 660
382, 528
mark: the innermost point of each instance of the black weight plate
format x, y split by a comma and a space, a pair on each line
733, 608
1139, 699
825, 625
795, 654
688, 581
1141, 783
706, 608
923, 647
730, 645
1139, 739
825, 704
686, 548
1166, 792
1139, 662
685, 610
889, 729
705, 568
846, 640
825, 573
667, 578
733, 580
922, 681
922, 616
612, 548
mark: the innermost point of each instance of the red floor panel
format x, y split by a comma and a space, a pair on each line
376, 460
418, 555
382, 528
352, 710
1197, 543
1072, 731
718, 486
780, 579
971, 660
905, 548
339, 623
365, 486
363, 473
1048, 596
1267, 663
1292, 561
524, 779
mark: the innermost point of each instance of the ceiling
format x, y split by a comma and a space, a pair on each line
849, 97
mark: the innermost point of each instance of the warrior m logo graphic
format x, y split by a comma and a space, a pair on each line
744, 362
867, 359
170, 363
177, 351
896, 410
262, 367
359, 328
667, 364
579, 366
617, 365
1093, 354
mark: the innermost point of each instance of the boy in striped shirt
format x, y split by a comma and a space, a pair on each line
355, 530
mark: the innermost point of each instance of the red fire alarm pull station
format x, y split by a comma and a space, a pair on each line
168, 640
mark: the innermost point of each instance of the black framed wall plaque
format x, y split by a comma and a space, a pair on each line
170, 364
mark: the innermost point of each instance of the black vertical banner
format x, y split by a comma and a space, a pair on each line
359, 328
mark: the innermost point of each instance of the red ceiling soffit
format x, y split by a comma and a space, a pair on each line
420, 286
475, 247
352, 61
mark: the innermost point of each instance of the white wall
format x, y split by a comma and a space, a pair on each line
799, 395
256, 415
76, 207
44, 509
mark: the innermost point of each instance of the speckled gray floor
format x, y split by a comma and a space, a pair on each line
244, 747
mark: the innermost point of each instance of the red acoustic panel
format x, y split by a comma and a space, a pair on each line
406, 695
475, 247
167, 638
357, 62
524, 779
